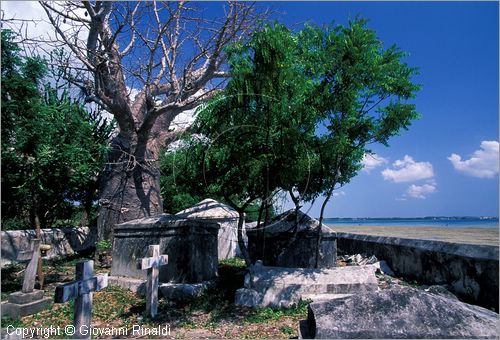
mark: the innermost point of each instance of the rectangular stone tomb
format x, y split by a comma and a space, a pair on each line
191, 246
211, 210
290, 240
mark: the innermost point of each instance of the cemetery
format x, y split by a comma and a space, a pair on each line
200, 170
167, 272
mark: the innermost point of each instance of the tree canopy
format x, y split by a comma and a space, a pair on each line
298, 114
52, 148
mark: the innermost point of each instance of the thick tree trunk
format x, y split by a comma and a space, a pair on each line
130, 186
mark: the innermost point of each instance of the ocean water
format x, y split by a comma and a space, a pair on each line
438, 222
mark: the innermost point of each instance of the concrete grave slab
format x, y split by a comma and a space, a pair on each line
399, 313
283, 287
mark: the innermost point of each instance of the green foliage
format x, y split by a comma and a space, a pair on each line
235, 262
52, 148
266, 314
361, 94
103, 245
298, 114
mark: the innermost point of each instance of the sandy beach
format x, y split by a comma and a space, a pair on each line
484, 236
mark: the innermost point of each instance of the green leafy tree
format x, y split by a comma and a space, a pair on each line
52, 148
362, 95
300, 111
254, 131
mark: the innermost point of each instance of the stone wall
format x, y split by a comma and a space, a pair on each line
471, 271
64, 242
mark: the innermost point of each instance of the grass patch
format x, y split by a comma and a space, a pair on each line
263, 315
211, 315
235, 262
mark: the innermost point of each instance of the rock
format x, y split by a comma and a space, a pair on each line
283, 287
184, 291
398, 313
368, 260
287, 247
227, 217
248, 298
383, 267
274, 297
441, 290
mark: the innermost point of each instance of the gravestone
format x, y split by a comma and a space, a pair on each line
283, 244
398, 313
212, 211
152, 264
191, 245
29, 300
281, 287
81, 290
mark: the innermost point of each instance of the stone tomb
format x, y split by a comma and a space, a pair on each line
286, 247
191, 246
398, 313
213, 211
29, 300
280, 287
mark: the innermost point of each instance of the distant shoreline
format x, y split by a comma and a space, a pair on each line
480, 236
423, 222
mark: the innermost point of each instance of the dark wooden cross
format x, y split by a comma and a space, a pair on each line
30, 274
152, 264
81, 290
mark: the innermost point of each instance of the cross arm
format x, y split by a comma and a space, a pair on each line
72, 290
150, 262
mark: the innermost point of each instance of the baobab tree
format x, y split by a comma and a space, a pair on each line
144, 63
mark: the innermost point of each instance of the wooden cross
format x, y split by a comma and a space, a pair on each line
152, 263
30, 274
81, 290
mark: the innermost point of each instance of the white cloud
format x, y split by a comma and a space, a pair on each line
407, 170
28, 10
420, 191
337, 194
372, 161
29, 19
482, 164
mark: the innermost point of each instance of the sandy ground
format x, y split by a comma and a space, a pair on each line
459, 235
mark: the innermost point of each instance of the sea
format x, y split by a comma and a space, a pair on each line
437, 222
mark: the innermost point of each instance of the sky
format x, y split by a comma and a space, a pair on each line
447, 163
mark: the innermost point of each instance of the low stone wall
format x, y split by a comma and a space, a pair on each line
471, 271
64, 242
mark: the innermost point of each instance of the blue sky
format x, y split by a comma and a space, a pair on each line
455, 46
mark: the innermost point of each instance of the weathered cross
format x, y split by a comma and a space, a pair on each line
30, 274
81, 290
152, 263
